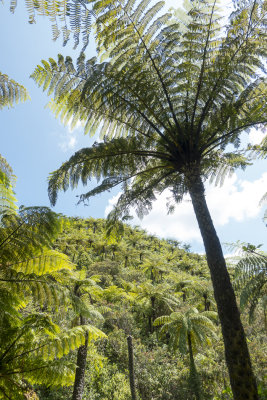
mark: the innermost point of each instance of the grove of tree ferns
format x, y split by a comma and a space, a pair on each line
176, 89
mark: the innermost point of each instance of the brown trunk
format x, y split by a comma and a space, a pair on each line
194, 379
236, 351
131, 367
78, 387
153, 313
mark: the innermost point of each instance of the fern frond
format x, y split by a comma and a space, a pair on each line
67, 17
48, 262
7, 182
251, 276
11, 92
162, 320
61, 344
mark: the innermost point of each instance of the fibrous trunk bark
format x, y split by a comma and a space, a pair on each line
131, 367
194, 378
242, 380
78, 387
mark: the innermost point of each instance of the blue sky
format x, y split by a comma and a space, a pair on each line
35, 143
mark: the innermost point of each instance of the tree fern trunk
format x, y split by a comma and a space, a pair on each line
78, 388
131, 367
236, 351
194, 378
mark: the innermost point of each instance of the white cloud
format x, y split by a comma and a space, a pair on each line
256, 136
77, 126
236, 200
68, 141
69, 138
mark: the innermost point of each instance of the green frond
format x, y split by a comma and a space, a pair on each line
260, 150
66, 341
162, 320
226, 165
250, 266
174, 92
250, 276
252, 293
26, 233
179, 325
67, 17
11, 92
7, 182
47, 263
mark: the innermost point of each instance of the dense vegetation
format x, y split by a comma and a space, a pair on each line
65, 283
175, 91
142, 279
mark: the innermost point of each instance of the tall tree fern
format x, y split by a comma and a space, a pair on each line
34, 283
188, 330
251, 278
176, 89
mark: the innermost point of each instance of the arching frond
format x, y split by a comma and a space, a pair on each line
67, 17
179, 325
25, 233
7, 181
11, 92
33, 350
251, 276
165, 319
178, 90
45, 263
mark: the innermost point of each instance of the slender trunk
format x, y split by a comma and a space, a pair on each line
78, 387
153, 313
194, 379
150, 324
236, 351
206, 302
131, 367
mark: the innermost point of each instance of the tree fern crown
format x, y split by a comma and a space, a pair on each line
174, 91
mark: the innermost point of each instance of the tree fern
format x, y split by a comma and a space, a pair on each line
34, 278
189, 330
250, 277
168, 100
33, 351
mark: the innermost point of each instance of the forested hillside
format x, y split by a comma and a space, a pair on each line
96, 309
160, 294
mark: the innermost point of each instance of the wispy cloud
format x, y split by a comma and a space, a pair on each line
67, 142
68, 139
256, 136
237, 200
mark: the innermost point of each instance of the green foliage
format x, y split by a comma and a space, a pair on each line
201, 91
34, 283
66, 17
122, 294
260, 151
180, 324
251, 278
11, 92
7, 198
174, 92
